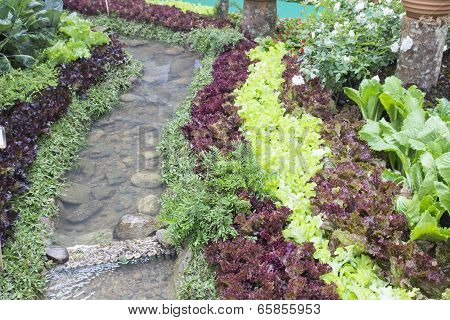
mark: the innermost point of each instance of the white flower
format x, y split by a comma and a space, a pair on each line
395, 47
376, 78
334, 32
337, 25
337, 6
445, 48
387, 11
313, 34
407, 44
346, 59
361, 18
372, 25
351, 33
327, 42
359, 6
388, 1
298, 80
401, 15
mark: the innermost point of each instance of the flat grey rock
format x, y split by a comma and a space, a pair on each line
134, 226
57, 254
84, 212
146, 180
76, 194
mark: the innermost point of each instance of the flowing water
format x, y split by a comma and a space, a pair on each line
118, 168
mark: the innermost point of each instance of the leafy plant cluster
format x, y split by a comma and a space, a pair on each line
355, 205
260, 264
301, 94
26, 27
23, 275
214, 120
418, 145
26, 121
286, 145
79, 39
22, 84
345, 41
202, 210
164, 15
186, 6
355, 274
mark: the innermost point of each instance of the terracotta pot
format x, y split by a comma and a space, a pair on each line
434, 8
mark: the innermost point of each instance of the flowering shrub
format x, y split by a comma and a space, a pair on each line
26, 121
167, 16
345, 41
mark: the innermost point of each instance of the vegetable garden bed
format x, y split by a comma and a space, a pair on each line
278, 191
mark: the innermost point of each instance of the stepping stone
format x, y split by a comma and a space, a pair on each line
149, 205
146, 180
134, 226
103, 192
76, 194
84, 212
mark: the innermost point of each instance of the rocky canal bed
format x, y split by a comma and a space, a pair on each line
113, 193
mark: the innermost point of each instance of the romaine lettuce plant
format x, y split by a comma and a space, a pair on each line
418, 144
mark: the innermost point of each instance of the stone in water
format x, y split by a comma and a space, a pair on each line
2, 138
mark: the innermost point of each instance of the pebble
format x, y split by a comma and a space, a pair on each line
146, 180
57, 254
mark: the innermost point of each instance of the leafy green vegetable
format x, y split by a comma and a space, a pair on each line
26, 27
289, 149
367, 98
80, 40
418, 145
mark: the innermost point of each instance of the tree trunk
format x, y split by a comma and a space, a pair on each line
421, 50
260, 18
222, 9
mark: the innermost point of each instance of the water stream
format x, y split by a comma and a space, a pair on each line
118, 173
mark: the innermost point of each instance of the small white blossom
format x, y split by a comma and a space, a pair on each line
360, 6
445, 48
351, 33
346, 59
407, 44
387, 11
372, 25
361, 18
395, 47
313, 34
337, 6
298, 80
376, 78
337, 25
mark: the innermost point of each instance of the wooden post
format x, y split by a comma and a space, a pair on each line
222, 9
421, 49
260, 18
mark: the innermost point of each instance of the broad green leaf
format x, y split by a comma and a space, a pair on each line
410, 208
443, 166
25, 60
427, 229
443, 193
